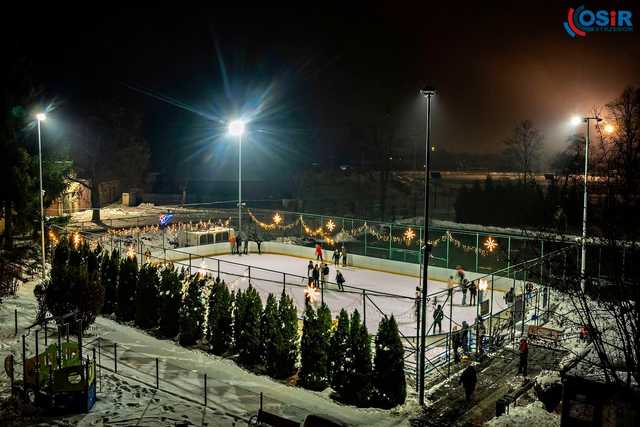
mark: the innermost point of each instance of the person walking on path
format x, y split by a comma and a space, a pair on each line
336, 257
524, 355
319, 252
340, 280
438, 315
473, 291
465, 337
455, 343
469, 379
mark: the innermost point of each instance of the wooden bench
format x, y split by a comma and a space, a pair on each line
544, 335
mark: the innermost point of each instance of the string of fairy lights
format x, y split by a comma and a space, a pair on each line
326, 232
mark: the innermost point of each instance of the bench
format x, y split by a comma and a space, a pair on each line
544, 335
267, 418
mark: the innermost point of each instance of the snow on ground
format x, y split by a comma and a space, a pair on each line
267, 277
533, 414
232, 391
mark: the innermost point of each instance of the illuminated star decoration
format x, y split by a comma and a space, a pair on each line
277, 219
311, 294
331, 225
130, 252
76, 240
490, 244
409, 235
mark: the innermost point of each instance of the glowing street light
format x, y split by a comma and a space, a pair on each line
575, 120
236, 128
609, 129
587, 121
41, 117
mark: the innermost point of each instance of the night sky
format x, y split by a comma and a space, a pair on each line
314, 82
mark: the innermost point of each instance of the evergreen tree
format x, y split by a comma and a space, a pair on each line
271, 336
324, 320
170, 300
58, 298
147, 297
221, 334
313, 348
358, 388
248, 345
192, 312
239, 307
338, 353
287, 345
109, 270
389, 383
127, 284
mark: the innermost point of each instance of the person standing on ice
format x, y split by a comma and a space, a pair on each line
246, 246
460, 272
524, 355
316, 276
463, 287
473, 291
232, 243
344, 256
325, 274
239, 244
455, 343
336, 257
469, 379
340, 280
438, 315
319, 252
310, 271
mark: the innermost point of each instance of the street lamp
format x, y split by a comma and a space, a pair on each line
427, 92
236, 128
41, 117
576, 120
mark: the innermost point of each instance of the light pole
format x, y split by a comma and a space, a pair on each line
41, 117
427, 93
576, 120
236, 128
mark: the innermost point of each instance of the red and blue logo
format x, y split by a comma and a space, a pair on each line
581, 21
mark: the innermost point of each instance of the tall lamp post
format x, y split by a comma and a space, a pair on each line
576, 120
427, 92
236, 128
41, 117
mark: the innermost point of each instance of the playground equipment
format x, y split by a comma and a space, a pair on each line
57, 378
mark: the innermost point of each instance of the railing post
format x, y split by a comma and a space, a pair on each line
37, 363
491, 315
448, 242
189, 264
100, 363
524, 302
157, 375
249, 274
115, 357
284, 282
15, 319
218, 268
365, 238
24, 360
364, 308
205, 390
450, 330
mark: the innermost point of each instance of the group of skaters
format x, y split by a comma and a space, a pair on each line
338, 255
466, 286
317, 275
240, 243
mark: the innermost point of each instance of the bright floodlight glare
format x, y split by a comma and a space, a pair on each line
41, 117
428, 91
576, 120
609, 129
236, 128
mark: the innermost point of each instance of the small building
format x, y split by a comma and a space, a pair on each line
74, 198
203, 237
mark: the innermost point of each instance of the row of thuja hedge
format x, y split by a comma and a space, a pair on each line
198, 310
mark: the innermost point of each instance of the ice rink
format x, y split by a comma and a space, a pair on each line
364, 289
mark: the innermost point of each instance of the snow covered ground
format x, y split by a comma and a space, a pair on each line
533, 414
232, 391
267, 278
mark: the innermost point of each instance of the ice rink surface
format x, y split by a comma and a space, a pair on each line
267, 276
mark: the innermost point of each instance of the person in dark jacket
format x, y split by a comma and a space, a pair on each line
316, 276
438, 315
340, 280
325, 274
464, 292
344, 256
465, 337
524, 355
336, 257
239, 244
455, 343
473, 291
469, 379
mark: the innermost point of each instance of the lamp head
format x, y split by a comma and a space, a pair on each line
427, 91
41, 117
576, 120
236, 128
